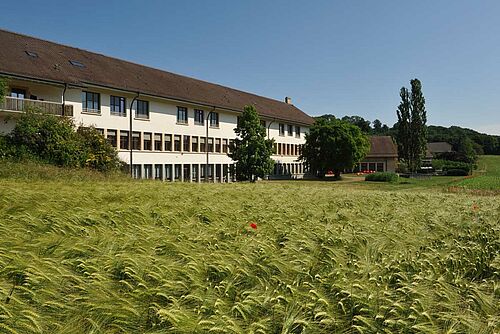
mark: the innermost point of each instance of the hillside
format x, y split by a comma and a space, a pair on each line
85, 253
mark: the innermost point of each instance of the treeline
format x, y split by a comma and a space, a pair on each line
461, 139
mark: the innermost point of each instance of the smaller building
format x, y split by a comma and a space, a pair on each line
383, 156
436, 148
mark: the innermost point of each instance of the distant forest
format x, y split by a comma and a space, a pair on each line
458, 137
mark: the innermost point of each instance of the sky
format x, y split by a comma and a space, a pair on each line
346, 57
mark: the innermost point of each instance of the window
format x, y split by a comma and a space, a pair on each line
111, 136
380, 166
199, 117
76, 63
147, 143
194, 144
124, 140
263, 123
203, 147
182, 115
18, 93
141, 109
148, 171
32, 54
136, 140
290, 130
231, 145
282, 129
210, 145
91, 102
214, 119
224, 146
275, 148
177, 143
168, 142
117, 106
136, 171
217, 145
158, 172
186, 144
158, 142
297, 131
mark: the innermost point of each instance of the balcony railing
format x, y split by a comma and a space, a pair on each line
20, 105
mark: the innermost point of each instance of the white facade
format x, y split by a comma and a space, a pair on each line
164, 147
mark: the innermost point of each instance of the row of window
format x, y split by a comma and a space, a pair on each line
91, 103
148, 141
289, 130
185, 172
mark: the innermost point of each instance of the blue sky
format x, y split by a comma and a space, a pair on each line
337, 57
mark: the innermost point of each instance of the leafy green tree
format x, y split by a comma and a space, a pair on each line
251, 150
360, 122
411, 127
3, 88
334, 145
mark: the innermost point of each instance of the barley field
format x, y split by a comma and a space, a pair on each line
83, 253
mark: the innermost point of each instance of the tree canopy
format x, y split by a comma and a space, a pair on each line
333, 145
251, 150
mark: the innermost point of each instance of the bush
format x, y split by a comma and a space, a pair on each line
382, 177
446, 165
456, 172
53, 139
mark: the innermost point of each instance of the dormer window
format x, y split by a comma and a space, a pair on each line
76, 63
32, 54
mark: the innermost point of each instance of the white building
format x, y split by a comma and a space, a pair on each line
178, 125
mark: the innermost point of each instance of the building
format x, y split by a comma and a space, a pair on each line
383, 155
168, 126
436, 148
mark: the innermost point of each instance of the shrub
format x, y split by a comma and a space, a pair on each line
52, 139
456, 172
446, 165
382, 177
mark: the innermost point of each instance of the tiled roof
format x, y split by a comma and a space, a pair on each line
439, 147
52, 63
382, 146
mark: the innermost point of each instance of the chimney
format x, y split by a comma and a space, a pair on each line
288, 100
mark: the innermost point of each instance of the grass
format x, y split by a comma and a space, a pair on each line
487, 177
86, 253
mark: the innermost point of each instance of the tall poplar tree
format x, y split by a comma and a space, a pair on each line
411, 127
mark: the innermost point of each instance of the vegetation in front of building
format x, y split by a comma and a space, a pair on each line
333, 145
56, 140
445, 165
382, 177
252, 150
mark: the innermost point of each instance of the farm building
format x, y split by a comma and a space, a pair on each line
383, 155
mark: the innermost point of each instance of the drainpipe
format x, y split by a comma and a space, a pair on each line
64, 98
206, 146
130, 135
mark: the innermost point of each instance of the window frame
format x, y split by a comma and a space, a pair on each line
199, 117
112, 106
86, 100
141, 114
281, 129
213, 119
182, 115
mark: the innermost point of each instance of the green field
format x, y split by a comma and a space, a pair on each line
83, 253
487, 175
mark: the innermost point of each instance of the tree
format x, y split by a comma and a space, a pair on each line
251, 150
411, 129
333, 145
360, 122
3, 89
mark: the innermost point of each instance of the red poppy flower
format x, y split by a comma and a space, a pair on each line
253, 225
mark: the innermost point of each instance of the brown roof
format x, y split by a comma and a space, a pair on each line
382, 146
439, 147
53, 64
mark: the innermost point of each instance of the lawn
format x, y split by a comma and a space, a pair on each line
82, 253
487, 175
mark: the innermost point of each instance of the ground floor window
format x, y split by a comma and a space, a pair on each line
148, 171
158, 172
136, 171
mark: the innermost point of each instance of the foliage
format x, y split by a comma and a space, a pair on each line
382, 177
486, 177
186, 260
456, 172
252, 151
360, 122
411, 130
488, 144
333, 145
3, 88
445, 165
53, 139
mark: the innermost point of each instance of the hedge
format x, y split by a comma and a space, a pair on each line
382, 177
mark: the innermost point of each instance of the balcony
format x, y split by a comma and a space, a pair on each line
14, 104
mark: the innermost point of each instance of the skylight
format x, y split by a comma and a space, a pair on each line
76, 63
32, 54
